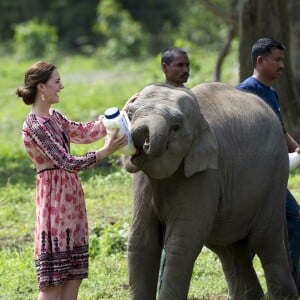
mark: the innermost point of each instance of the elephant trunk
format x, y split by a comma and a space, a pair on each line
151, 137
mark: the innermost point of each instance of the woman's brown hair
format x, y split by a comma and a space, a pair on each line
39, 72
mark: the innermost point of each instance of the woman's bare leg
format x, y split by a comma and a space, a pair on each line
49, 292
69, 290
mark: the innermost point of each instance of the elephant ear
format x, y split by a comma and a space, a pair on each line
203, 153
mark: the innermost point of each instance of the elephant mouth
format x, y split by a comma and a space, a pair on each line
139, 157
141, 152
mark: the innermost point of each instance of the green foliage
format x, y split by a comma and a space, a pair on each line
110, 279
155, 14
294, 183
114, 239
18, 281
17, 204
109, 239
127, 28
10, 15
91, 85
208, 30
34, 39
74, 20
124, 36
158, 18
14, 164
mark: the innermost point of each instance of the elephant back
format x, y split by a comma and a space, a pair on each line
239, 119
251, 141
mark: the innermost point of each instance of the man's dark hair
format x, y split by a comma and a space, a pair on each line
264, 47
168, 54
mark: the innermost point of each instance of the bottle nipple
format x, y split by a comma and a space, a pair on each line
111, 113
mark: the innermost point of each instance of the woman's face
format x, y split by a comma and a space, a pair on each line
52, 88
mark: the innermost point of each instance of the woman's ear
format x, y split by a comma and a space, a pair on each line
203, 153
40, 87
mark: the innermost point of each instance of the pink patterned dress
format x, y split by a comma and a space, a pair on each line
61, 229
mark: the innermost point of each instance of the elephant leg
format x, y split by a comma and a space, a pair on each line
144, 251
274, 259
176, 280
186, 231
144, 245
239, 272
182, 248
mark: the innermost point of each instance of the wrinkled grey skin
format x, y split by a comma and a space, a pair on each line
214, 174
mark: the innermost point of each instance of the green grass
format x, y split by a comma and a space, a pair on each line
91, 85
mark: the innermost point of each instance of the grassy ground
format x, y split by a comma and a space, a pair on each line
90, 87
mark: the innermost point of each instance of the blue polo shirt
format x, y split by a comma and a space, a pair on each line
268, 94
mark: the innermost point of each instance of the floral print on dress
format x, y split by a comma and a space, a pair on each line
61, 229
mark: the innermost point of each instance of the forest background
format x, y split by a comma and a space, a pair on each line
118, 29
107, 50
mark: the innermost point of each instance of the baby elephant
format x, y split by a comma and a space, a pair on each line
211, 168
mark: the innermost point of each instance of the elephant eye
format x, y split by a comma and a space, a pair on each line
175, 127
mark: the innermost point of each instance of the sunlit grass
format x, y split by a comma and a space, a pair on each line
91, 86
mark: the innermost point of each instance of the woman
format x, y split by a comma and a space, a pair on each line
61, 231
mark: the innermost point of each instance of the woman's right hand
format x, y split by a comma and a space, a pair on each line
111, 145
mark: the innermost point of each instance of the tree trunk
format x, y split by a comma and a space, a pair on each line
223, 53
265, 18
294, 9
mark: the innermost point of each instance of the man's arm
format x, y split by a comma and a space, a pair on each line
291, 143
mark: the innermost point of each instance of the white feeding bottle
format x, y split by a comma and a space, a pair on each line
115, 119
294, 159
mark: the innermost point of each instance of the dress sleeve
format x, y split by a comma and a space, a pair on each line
53, 148
82, 133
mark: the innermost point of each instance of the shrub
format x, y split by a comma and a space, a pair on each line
109, 239
124, 36
33, 39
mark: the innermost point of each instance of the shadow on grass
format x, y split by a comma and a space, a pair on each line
18, 174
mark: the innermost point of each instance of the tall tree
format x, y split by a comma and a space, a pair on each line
230, 20
265, 18
159, 17
294, 9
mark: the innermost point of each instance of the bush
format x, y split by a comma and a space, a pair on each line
33, 39
109, 239
124, 36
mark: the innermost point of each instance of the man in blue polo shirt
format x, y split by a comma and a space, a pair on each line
268, 63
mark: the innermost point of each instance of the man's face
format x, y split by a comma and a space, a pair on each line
271, 66
177, 72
